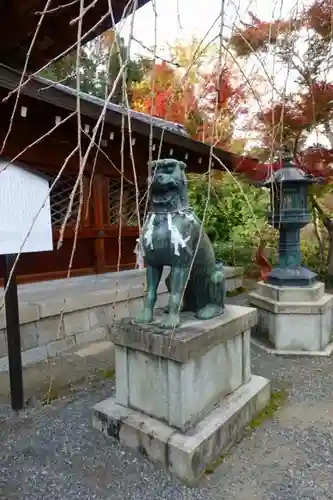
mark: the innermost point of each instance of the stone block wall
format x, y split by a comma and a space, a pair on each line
48, 330
234, 278
54, 324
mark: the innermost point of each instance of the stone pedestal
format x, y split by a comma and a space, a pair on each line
183, 398
293, 320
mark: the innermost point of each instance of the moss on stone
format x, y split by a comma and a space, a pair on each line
57, 390
237, 291
109, 373
104, 373
278, 397
211, 468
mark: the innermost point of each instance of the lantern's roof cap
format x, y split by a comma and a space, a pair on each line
290, 173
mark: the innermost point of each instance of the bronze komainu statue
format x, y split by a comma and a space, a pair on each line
173, 236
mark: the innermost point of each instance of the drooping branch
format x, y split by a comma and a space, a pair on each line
327, 221
315, 218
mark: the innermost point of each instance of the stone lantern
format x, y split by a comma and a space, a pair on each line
294, 312
289, 212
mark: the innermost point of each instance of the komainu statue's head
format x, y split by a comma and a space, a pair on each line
168, 186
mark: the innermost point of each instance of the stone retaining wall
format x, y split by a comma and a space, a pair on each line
234, 278
55, 320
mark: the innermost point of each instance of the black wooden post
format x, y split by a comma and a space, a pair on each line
13, 336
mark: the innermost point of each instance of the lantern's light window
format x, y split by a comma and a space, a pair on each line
287, 202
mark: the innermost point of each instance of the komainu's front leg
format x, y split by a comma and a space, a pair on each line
178, 281
146, 315
168, 285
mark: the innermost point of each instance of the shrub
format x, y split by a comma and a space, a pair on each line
235, 219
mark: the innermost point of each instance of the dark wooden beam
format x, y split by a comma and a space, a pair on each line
18, 22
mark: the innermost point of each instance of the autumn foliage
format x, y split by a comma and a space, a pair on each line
301, 119
258, 34
163, 95
206, 107
290, 120
319, 18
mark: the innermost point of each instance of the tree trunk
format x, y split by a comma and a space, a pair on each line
328, 223
319, 239
329, 278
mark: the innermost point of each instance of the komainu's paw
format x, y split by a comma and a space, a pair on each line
209, 311
171, 321
217, 277
145, 316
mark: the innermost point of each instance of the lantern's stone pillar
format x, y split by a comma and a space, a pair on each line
182, 399
295, 313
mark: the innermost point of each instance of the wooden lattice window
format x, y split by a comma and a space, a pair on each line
59, 198
128, 207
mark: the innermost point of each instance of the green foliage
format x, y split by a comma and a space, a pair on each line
135, 70
312, 257
99, 68
233, 205
64, 71
234, 218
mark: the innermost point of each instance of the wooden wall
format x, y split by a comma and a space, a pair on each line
98, 235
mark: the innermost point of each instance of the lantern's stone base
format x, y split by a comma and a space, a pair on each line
183, 398
293, 320
298, 277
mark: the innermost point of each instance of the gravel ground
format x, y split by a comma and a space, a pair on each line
53, 453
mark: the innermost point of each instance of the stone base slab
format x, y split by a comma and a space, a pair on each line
291, 293
186, 455
293, 319
325, 353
